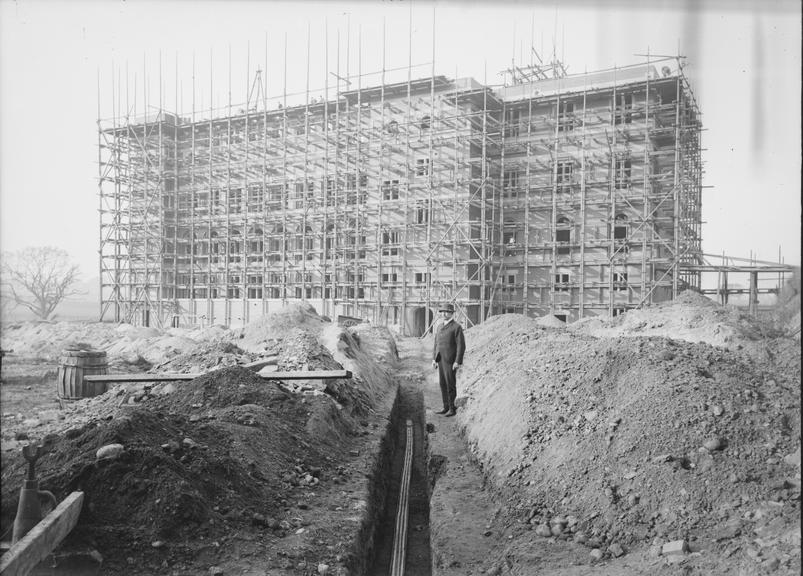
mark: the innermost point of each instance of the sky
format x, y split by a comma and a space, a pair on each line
64, 64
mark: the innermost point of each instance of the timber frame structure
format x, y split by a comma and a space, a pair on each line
571, 195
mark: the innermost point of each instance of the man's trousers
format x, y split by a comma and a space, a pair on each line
448, 381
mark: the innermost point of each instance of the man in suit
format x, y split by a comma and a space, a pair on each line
447, 356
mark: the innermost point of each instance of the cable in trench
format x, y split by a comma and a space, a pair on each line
400, 535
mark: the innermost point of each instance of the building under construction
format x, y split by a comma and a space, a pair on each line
571, 195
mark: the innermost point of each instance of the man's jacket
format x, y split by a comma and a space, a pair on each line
449, 343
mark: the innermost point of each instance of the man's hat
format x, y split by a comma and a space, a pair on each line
446, 308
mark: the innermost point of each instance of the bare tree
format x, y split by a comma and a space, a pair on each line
39, 278
6, 302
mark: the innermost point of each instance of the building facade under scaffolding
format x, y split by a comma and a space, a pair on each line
573, 195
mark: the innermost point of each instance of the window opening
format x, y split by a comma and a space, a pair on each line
566, 118
422, 213
275, 195
390, 190
236, 200
563, 235
622, 168
235, 247
511, 181
513, 120
565, 171
200, 201
389, 238
510, 285
624, 107
620, 227
255, 197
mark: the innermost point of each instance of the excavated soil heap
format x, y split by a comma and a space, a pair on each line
229, 469
224, 448
637, 440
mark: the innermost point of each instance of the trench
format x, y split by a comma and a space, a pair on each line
418, 558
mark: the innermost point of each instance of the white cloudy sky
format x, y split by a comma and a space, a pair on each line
743, 59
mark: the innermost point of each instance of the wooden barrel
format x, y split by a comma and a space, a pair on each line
75, 364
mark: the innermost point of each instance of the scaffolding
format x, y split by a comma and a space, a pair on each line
569, 195
601, 191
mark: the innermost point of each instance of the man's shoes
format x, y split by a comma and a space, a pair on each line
451, 412
444, 411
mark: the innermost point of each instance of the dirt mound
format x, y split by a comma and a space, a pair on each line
263, 333
123, 343
201, 460
691, 317
220, 389
46, 340
635, 439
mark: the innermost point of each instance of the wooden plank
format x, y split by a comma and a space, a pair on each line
301, 375
43, 538
311, 375
139, 377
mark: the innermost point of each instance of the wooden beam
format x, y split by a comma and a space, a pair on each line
308, 375
139, 377
43, 538
300, 375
